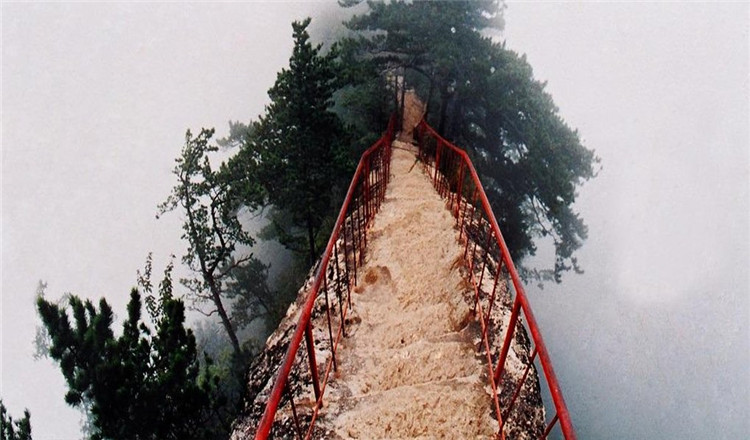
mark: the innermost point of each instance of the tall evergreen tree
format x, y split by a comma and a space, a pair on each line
142, 384
484, 97
207, 198
298, 148
14, 429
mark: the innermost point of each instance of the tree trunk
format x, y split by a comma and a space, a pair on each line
395, 92
429, 98
216, 296
443, 111
403, 97
311, 239
208, 277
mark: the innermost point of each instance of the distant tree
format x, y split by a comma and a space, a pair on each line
14, 429
239, 132
208, 200
142, 384
42, 339
367, 96
488, 101
427, 40
251, 296
298, 148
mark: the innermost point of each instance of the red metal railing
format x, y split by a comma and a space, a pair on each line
495, 280
336, 274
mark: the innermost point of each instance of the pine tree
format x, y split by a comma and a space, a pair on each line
14, 429
298, 149
207, 198
484, 97
142, 384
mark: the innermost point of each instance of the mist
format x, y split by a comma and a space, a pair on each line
96, 99
653, 341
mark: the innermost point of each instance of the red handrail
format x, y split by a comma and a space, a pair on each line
449, 163
366, 192
345, 247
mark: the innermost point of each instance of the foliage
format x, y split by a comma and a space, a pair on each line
298, 148
239, 132
208, 199
529, 160
143, 384
42, 339
14, 429
251, 296
367, 96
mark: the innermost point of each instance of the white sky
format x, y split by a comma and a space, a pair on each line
652, 342
96, 99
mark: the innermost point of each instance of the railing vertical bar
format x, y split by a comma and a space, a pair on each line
453, 187
437, 162
294, 412
446, 176
517, 392
354, 248
330, 327
471, 268
338, 287
362, 237
312, 361
498, 269
346, 272
380, 179
550, 426
486, 254
459, 192
474, 248
367, 191
463, 217
509, 332
471, 223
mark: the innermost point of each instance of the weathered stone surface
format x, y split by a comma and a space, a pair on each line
527, 418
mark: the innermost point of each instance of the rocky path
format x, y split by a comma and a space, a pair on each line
409, 368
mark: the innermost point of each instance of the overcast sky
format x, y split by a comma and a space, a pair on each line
652, 342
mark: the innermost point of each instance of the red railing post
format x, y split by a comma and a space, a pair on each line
311, 357
437, 162
520, 301
328, 317
362, 234
303, 328
509, 332
367, 203
459, 190
368, 207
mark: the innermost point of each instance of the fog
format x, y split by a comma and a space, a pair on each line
653, 341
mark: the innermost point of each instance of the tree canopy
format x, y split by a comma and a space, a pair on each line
487, 100
298, 149
208, 199
143, 384
14, 429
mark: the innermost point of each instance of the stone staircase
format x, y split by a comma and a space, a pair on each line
409, 366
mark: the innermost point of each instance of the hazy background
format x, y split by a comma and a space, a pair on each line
652, 342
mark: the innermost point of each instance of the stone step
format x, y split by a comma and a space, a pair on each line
416, 363
441, 409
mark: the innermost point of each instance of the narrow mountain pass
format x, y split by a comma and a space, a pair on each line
409, 368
